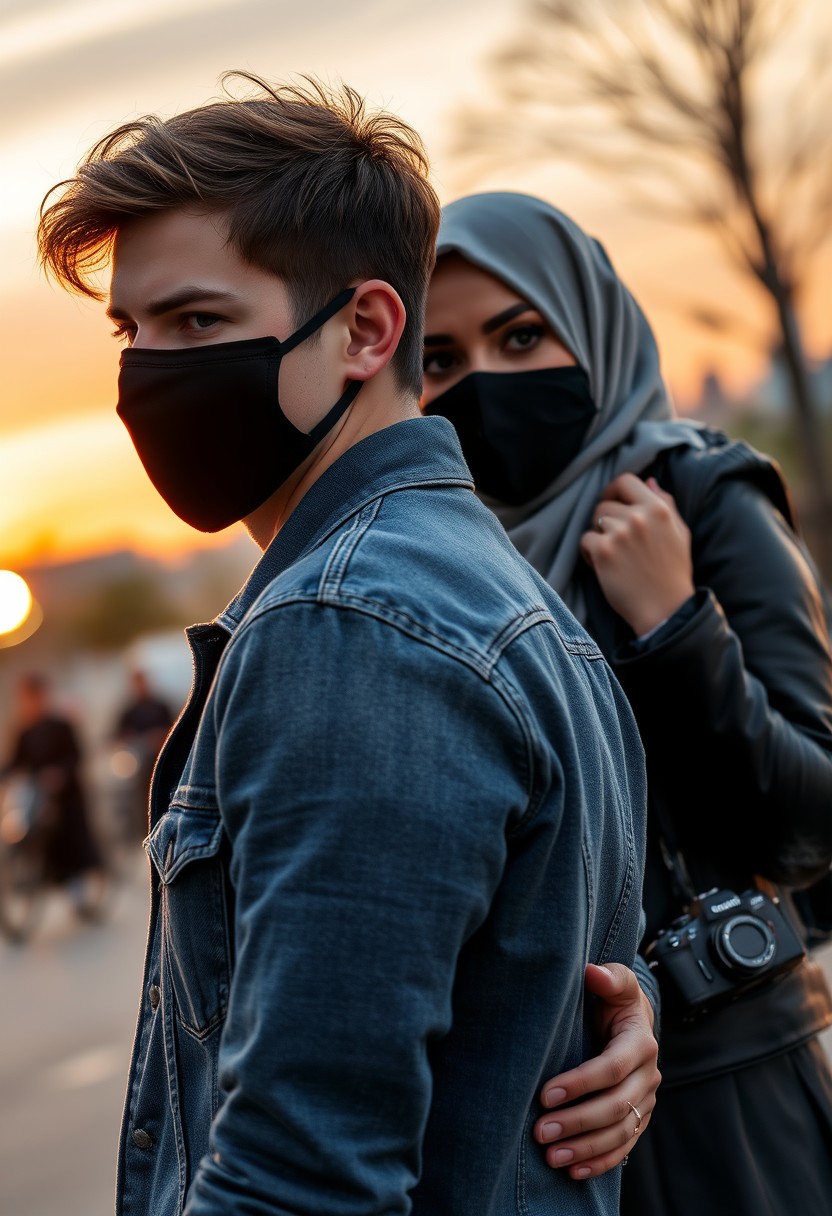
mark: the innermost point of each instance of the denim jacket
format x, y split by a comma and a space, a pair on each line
402, 809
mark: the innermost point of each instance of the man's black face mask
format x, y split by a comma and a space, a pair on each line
208, 425
518, 430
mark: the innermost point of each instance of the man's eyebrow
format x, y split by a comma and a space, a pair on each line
487, 327
178, 299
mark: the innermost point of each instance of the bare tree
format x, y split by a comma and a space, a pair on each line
677, 98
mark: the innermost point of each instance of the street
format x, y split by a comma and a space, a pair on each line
67, 1012
69, 1002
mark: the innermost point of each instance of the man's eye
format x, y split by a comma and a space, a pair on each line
124, 332
201, 320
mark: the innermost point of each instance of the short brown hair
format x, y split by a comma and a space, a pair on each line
314, 189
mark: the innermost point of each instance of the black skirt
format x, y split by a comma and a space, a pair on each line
753, 1142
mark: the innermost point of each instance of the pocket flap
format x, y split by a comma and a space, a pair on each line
182, 836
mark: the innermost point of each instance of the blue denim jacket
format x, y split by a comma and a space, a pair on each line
403, 807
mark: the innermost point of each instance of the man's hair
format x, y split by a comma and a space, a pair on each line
313, 188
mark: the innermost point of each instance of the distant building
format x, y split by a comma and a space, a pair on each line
713, 404
769, 396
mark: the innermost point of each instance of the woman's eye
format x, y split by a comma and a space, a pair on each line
439, 362
523, 337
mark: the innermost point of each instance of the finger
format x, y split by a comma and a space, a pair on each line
598, 1150
627, 488
603, 522
614, 982
609, 1110
590, 1160
593, 1167
620, 995
632, 1048
602, 1075
595, 539
603, 514
654, 486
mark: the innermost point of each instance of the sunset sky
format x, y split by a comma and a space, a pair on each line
70, 482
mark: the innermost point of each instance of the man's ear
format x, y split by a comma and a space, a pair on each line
376, 319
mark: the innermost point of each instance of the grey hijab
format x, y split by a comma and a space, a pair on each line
553, 265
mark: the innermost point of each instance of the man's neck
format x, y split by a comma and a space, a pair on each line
380, 403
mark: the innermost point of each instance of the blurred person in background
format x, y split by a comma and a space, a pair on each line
679, 551
141, 727
46, 749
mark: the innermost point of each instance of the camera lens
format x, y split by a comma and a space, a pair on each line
745, 943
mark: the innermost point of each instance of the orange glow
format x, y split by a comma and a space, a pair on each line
75, 488
20, 613
15, 601
71, 485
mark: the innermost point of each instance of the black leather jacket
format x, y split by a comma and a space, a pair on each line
733, 697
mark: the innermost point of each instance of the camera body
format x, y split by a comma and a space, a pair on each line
724, 945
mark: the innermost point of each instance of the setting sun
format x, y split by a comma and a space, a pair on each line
15, 601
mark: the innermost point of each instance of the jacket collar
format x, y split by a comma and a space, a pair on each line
416, 452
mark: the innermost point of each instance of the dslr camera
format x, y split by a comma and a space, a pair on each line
724, 945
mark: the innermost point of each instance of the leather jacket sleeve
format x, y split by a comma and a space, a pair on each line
733, 696
648, 984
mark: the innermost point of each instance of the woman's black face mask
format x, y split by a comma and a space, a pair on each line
518, 430
208, 426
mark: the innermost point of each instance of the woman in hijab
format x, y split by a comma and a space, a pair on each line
679, 550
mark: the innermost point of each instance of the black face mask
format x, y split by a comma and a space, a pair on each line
208, 426
518, 430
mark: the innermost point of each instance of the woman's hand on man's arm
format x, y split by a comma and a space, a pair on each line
614, 1093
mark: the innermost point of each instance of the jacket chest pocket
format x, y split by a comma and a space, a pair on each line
186, 849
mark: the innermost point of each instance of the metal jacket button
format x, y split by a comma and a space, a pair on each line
155, 995
141, 1138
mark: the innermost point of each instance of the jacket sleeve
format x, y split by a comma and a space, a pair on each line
363, 856
649, 985
733, 696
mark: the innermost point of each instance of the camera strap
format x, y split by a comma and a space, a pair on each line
768, 888
684, 889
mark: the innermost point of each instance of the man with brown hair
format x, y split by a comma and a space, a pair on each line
404, 805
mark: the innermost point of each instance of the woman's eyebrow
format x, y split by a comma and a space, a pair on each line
508, 314
487, 327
